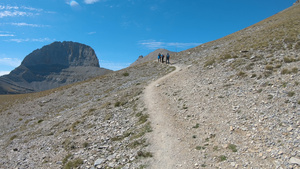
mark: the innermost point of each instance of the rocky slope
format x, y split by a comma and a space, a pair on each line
237, 98
234, 103
53, 65
100, 122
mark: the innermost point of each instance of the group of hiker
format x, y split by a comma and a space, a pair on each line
161, 57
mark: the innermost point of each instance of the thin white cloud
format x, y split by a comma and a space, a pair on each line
28, 24
90, 1
31, 9
91, 33
154, 8
13, 62
113, 65
6, 35
153, 44
4, 73
74, 3
15, 11
29, 40
8, 7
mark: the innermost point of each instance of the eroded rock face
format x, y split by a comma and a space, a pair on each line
53, 65
65, 54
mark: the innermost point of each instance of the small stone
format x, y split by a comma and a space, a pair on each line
294, 160
59, 162
99, 161
289, 129
231, 128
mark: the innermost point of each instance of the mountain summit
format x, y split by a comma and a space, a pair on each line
64, 54
53, 65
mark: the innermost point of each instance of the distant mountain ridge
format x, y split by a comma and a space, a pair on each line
53, 65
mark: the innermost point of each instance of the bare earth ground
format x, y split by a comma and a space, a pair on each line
163, 138
210, 118
166, 139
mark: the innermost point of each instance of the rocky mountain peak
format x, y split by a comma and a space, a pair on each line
54, 65
65, 54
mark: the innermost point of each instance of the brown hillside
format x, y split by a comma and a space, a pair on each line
231, 103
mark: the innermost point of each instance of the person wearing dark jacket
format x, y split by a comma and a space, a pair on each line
168, 59
159, 57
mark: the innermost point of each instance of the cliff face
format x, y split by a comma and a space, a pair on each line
65, 54
53, 65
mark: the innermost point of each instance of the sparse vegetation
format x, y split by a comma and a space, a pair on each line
117, 104
284, 84
85, 144
144, 154
73, 164
142, 131
253, 75
269, 67
65, 160
73, 127
210, 62
215, 148
200, 148
126, 74
196, 126
242, 74
13, 137
137, 143
222, 158
285, 71
294, 70
288, 59
291, 93
232, 147
143, 118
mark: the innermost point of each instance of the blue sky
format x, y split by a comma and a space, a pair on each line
121, 30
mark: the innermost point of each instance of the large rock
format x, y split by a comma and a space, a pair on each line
64, 54
54, 65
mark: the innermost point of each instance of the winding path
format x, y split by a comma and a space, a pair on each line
168, 149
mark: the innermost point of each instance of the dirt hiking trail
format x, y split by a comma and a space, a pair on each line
166, 141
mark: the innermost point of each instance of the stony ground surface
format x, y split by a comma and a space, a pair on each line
226, 121
100, 123
231, 103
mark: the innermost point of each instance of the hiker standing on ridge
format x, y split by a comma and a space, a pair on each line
162, 57
168, 59
159, 57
